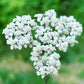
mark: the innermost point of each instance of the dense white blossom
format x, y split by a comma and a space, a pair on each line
46, 60
18, 33
54, 34
60, 32
46, 36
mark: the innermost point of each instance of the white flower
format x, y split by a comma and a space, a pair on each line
46, 36
20, 28
39, 16
35, 54
45, 57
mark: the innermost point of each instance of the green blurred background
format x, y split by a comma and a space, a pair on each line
15, 66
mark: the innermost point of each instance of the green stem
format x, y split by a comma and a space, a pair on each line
46, 79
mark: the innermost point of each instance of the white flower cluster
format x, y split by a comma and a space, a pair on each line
53, 34
59, 32
46, 60
18, 33
46, 36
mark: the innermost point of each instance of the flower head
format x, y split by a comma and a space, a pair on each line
18, 33
46, 36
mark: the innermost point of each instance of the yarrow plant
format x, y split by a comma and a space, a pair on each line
51, 34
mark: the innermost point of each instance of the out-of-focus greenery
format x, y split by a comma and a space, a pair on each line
10, 8
15, 71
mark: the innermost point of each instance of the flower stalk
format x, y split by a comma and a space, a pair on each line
46, 79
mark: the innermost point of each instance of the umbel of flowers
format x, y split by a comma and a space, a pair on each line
51, 34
